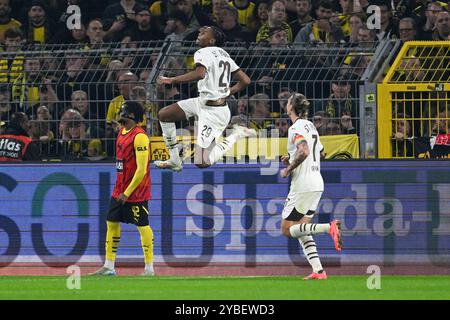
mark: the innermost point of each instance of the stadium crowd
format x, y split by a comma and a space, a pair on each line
73, 96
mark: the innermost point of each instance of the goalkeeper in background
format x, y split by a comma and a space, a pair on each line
129, 201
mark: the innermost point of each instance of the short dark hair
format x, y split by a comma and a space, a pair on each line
342, 79
17, 119
218, 35
272, 2
140, 8
372, 32
325, 4
92, 20
257, 4
383, 3
275, 30
285, 89
322, 114
410, 20
38, 3
136, 109
178, 15
231, 9
130, 33
14, 33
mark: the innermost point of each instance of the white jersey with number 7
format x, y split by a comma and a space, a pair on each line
306, 177
219, 66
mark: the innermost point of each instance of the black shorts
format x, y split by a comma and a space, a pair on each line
130, 212
296, 216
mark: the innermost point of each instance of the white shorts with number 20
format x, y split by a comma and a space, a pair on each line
212, 120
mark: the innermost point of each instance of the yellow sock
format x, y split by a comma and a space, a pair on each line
112, 240
147, 244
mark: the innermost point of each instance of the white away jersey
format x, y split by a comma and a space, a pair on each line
219, 67
306, 177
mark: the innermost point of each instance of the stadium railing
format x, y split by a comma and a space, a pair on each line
414, 103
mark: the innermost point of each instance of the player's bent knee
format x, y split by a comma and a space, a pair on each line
163, 115
285, 231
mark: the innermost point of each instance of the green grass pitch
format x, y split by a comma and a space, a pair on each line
224, 288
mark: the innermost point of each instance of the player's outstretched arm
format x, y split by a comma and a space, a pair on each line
195, 75
243, 81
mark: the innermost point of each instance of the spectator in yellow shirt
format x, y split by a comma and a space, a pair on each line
11, 66
277, 19
6, 22
259, 108
25, 90
260, 15
245, 11
322, 30
217, 6
39, 27
125, 83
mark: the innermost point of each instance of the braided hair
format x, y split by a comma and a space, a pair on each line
219, 35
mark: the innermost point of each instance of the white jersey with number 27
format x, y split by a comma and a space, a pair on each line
306, 177
219, 66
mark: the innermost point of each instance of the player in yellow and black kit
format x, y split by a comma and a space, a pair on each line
129, 201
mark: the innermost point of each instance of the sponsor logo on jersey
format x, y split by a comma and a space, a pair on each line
10, 145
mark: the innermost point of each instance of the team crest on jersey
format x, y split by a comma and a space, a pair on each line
119, 165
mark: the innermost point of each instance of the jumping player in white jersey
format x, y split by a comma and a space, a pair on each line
213, 70
303, 163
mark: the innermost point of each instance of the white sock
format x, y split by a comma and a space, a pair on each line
109, 264
149, 267
220, 149
170, 137
306, 229
310, 250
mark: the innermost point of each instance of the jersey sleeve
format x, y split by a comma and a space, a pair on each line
233, 66
320, 146
141, 149
290, 135
200, 58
